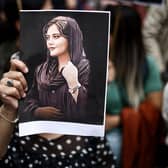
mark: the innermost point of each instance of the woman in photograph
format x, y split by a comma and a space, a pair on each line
60, 85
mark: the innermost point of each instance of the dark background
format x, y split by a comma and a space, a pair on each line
95, 32
150, 1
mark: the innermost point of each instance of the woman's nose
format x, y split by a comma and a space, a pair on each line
50, 40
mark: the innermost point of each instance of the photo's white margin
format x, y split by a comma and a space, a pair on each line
108, 54
64, 10
68, 128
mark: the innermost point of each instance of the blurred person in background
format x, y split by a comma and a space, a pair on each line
155, 32
140, 8
134, 92
163, 152
3, 23
10, 43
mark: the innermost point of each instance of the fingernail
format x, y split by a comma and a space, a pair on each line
4, 95
24, 95
26, 70
26, 89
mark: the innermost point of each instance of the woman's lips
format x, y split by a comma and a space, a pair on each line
51, 48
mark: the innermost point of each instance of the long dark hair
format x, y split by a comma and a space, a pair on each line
69, 28
127, 50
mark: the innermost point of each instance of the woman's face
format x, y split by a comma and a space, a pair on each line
56, 44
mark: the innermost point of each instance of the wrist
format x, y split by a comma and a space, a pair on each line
74, 88
8, 113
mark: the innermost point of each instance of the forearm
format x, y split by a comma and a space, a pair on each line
155, 98
112, 121
75, 95
6, 129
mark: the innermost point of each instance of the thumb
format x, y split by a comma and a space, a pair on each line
18, 65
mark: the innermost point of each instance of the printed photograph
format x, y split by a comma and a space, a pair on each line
67, 56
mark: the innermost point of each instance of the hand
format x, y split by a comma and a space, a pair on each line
10, 94
48, 112
112, 121
70, 73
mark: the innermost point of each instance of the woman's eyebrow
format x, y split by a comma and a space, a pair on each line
52, 34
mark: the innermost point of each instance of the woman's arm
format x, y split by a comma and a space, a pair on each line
155, 98
153, 25
31, 109
112, 121
70, 73
9, 95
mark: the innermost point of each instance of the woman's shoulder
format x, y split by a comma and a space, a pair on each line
84, 63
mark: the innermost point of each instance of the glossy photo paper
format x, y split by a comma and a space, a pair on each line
67, 55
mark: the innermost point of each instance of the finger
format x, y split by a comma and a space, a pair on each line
17, 84
18, 65
57, 115
9, 91
51, 108
51, 111
15, 75
56, 111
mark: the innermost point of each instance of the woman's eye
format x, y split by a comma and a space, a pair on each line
56, 36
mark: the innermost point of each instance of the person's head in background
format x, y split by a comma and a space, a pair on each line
3, 23
11, 17
49, 4
127, 50
43, 4
105, 3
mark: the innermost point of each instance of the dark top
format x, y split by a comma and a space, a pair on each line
50, 88
64, 152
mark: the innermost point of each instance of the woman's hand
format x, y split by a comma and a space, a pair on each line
13, 85
112, 121
70, 73
48, 112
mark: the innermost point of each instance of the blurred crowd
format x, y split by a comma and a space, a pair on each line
137, 110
